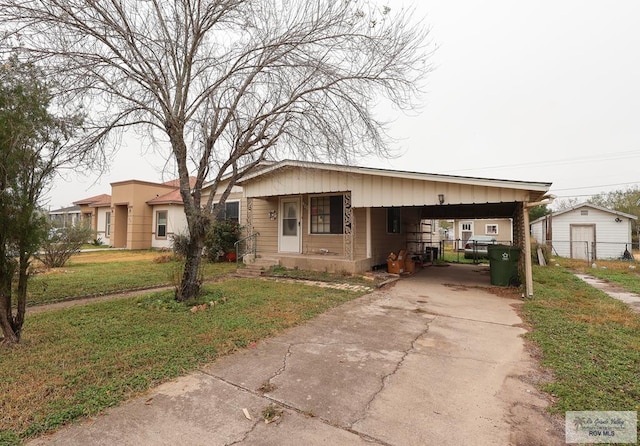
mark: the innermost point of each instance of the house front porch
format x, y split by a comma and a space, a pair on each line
331, 263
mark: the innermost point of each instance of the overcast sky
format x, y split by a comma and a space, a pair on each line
538, 91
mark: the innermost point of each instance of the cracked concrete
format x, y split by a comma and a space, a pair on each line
418, 363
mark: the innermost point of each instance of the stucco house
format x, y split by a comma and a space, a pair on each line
96, 212
142, 214
585, 231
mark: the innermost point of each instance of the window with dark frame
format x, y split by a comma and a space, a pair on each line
327, 214
161, 224
231, 212
393, 220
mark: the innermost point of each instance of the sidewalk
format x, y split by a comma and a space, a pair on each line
617, 292
421, 362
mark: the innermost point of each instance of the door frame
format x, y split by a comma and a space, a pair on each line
282, 201
591, 248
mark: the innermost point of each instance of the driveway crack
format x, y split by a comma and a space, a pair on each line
385, 379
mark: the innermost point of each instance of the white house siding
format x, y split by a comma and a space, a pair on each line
610, 236
101, 225
537, 231
176, 224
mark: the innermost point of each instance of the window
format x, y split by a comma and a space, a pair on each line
466, 226
161, 224
393, 220
231, 211
491, 229
327, 214
107, 224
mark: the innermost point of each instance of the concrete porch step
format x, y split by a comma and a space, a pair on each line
257, 267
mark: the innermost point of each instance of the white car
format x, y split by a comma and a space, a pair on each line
477, 246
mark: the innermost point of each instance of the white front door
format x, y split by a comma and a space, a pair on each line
290, 228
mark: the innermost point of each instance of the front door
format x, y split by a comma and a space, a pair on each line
582, 242
289, 238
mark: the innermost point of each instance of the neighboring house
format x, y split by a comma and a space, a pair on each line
343, 218
142, 214
500, 228
96, 212
169, 218
65, 217
585, 231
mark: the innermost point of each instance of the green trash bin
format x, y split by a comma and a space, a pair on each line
503, 265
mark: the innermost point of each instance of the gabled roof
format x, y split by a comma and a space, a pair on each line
516, 184
589, 205
97, 201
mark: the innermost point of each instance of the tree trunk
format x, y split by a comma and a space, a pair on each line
6, 317
189, 287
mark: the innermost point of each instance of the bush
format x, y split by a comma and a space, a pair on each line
61, 243
221, 238
179, 243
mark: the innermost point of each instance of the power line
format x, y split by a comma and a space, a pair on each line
583, 159
593, 187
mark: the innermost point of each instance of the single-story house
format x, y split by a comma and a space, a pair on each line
345, 218
142, 214
96, 212
585, 231
322, 216
500, 228
65, 217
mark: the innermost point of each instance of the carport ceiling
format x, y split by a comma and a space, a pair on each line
471, 211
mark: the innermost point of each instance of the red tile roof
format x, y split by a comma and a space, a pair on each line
97, 201
172, 197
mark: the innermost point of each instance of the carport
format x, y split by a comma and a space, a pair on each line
346, 218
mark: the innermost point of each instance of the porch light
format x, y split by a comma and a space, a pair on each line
441, 198
273, 214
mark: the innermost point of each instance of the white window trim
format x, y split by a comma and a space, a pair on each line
486, 229
166, 229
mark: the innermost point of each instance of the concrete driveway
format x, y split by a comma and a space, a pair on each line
432, 359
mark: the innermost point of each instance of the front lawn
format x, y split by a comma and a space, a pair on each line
106, 272
78, 361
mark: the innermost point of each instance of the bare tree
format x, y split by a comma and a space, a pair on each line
228, 83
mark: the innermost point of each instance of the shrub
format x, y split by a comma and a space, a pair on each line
179, 243
61, 243
221, 238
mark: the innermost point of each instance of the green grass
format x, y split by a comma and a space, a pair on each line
453, 256
89, 274
78, 361
590, 341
